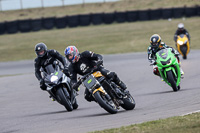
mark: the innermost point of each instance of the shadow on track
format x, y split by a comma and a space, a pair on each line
96, 115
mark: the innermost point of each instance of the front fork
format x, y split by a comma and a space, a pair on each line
177, 74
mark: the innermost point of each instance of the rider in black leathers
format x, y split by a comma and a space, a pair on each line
83, 63
44, 58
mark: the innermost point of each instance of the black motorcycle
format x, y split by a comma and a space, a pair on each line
106, 93
58, 86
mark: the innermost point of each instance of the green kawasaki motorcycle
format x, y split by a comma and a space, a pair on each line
168, 67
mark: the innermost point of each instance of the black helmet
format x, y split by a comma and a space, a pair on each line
155, 41
40, 49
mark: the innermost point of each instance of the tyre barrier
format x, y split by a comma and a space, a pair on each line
36, 24
96, 19
61, 22
11, 27
48, 23
108, 18
143, 15
155, 14
24, 25
189, 12
178, 12
84, 20
73, 21
2, 28
132, 16
167, 13
120, 17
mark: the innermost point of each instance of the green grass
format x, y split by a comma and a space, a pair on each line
123, 5
103, 39
179, 124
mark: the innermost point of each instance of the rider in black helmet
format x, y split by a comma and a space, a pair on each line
155, 46
44, 58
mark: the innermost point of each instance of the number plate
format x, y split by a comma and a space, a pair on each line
90, 82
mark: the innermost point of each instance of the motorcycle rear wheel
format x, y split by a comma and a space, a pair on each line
102, 101
172, 80
184, 51
63, 100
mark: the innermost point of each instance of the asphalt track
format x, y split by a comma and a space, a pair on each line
24, 108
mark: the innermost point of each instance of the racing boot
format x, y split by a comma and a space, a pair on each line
182, 73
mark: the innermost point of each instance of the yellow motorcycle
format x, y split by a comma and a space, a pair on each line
183, 45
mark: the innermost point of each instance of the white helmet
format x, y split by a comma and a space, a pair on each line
180, 25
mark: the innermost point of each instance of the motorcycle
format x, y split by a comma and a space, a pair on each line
106, 93
183, 45
58, 86
169, 68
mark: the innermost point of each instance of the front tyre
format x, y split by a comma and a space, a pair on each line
75, 104
171, 80
109, 106
63, 99
129, 102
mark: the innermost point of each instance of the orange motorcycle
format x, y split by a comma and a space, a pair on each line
183, 45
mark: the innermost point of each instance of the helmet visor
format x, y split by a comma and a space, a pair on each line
155, 44
41, 52
69, 56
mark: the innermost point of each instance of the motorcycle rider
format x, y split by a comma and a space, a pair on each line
181, 30
83, 63
44, 58
155, 46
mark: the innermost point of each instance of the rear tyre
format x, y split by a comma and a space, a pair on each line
184, 51
103, 102
129, 102
172, 80
63, 100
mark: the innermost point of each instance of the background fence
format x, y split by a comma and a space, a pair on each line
96, 19
25, 4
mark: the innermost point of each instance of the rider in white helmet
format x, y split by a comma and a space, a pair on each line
181, 30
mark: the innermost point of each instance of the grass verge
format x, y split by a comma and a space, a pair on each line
179, 124
103, 39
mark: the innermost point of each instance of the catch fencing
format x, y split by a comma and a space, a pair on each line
96, 19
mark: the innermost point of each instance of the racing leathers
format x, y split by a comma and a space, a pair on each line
87, 61
42, 62
152, 56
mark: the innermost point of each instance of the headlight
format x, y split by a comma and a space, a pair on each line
54, 78
166, 62
180, 42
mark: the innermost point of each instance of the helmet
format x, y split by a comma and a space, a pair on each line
72, 54
180, 26
40, 49
155, 41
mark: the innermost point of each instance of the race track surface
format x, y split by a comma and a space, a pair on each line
24, 108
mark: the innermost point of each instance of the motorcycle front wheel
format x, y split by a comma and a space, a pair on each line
129, 102
172, 80
63, 99
109, 106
